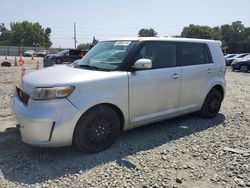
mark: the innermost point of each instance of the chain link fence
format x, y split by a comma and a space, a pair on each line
17, 50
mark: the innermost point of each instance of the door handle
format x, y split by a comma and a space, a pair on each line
209, 70
175, 76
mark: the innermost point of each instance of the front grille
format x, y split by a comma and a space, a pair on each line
24, 97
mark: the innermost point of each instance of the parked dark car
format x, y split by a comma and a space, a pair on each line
229, 56
66, 56
241, 65
231, 59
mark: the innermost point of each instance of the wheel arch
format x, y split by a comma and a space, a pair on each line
219, 86
205, 112
110, 105
220, 89
117, 109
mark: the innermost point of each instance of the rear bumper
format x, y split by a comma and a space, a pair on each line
48, 123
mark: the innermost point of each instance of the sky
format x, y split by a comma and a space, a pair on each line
108, 19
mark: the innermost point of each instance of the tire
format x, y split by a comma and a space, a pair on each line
58, 61
97, 129
212, 104
244, 68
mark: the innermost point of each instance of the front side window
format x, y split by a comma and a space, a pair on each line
64, 52
107, 55
162, 54
194, 54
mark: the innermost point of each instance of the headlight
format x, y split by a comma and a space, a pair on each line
52, 93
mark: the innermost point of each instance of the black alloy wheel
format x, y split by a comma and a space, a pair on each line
97, 129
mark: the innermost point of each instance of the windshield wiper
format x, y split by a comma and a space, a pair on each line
87, 66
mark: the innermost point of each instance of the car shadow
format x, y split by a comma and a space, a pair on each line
29, 165
237, 71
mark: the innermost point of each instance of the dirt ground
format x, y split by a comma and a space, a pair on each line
187, 151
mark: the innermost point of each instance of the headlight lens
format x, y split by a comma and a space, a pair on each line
52, 93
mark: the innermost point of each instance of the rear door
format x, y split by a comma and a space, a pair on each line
198, 70
154, 93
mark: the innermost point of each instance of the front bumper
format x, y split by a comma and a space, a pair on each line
46, 123
48, 62
235, 66
228, 62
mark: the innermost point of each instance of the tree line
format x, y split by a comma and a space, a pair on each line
235, 37
25, 34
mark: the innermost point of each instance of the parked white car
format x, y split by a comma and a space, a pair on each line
42, 53
29, 53
119, 85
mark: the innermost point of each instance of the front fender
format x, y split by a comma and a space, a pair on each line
88, 101
94, 99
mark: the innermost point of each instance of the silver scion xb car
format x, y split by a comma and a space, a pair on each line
119, 85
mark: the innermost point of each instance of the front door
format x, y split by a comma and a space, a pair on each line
154, 93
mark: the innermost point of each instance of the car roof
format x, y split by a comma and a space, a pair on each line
166, 39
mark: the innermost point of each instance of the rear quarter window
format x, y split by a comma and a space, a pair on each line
194, 54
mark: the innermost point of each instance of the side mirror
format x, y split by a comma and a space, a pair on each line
142, 64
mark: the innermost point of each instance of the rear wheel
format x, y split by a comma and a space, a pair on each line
97, 129
244, 68
212, 104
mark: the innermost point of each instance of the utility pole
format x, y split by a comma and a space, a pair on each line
75, 34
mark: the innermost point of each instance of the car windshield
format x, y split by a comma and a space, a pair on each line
106, 55
230, 55
242, 55
62, 52
246, 57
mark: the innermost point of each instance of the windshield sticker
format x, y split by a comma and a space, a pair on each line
122, 43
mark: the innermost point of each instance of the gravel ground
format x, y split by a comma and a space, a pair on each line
183, 152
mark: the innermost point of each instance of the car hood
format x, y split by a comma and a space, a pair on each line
238, 61
50, 55
63, 75
229, 59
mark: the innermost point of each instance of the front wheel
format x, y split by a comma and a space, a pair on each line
97, 129
58, 61
212, 104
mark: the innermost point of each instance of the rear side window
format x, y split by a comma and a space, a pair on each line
194, 54
162, 54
